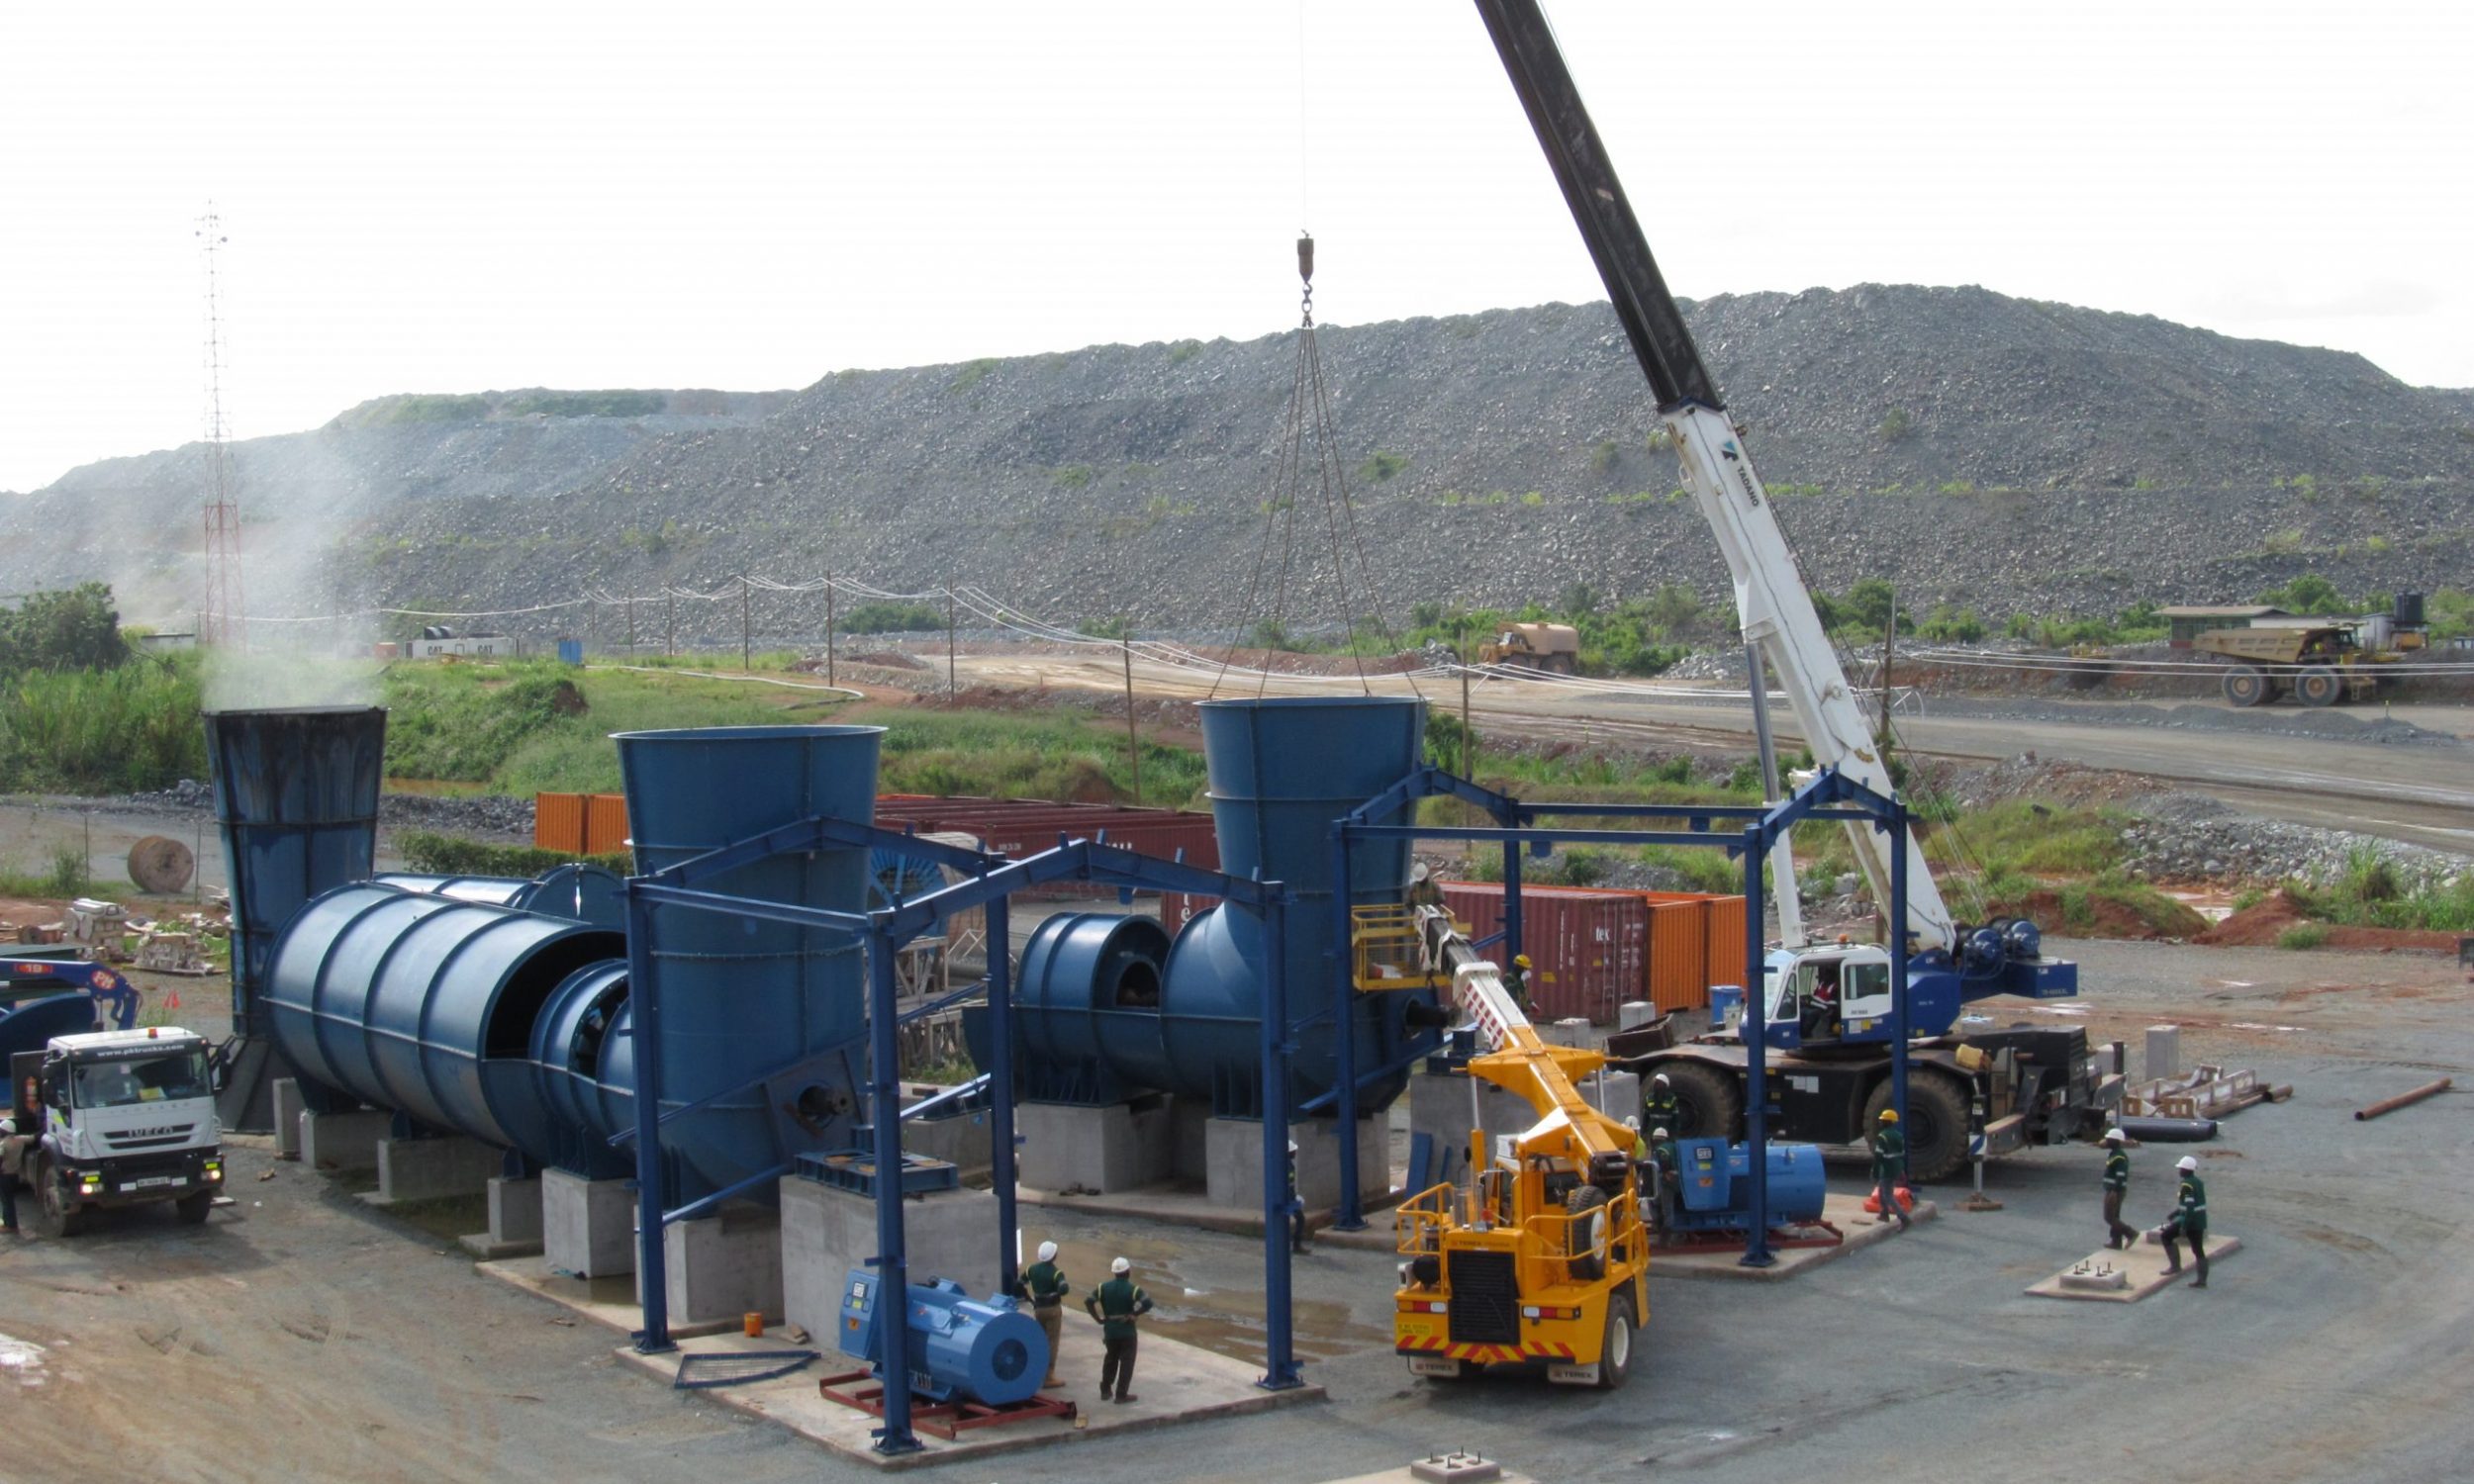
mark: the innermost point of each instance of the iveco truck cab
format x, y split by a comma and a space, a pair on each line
116, 1118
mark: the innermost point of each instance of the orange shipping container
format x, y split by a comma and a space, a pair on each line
558, 822
1696, 940
604, 823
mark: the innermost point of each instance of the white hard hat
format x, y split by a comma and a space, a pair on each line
1047, 1252
2113, 1135
1657, 1133
1293, 1145
1658, 1080
1421, 874
2187, 1165
1120, 1266
1632, 1121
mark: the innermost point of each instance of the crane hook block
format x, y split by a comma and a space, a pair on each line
1306, 257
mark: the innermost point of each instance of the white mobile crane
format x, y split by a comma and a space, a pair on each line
1828, 1004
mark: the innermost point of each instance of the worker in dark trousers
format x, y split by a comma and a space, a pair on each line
1116, 1305
2189, 1219
1658, 1110
2118, 1233
1669, 1167
1516, 980
1296, 1207
1889, 1168
1043, 1283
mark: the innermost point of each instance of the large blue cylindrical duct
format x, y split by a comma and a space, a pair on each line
296, 801
578, 891
741, 997
426, 1004
1096, 1021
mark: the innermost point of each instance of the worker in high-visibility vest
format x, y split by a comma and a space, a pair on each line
1116, 1304
2189, 1219
1889, 1168
1043, 1283
2118, 1233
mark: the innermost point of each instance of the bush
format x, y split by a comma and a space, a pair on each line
2303, 935
76, 628
453, 855
892, 618
102, 731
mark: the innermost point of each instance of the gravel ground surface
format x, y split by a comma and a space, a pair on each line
302, 1336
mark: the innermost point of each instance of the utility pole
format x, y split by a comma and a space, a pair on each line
1469, 734
747, 629
225, 620
828, 628
953, 687
1133, 738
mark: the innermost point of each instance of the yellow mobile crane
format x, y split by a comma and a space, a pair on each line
1541, 1258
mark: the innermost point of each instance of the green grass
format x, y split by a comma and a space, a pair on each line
61, 874
2034, 838
2369, 892
102, 731
452, 855
2304, 935
1016, 756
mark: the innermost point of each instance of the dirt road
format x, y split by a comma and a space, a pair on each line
2421, 794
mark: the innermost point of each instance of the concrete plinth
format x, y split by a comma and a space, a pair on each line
724, 1266
1233, 1161
427, 1170
827, 1231
2164, 1053
1440, 1108
1122, 1147
288, 1109
343, 1141
514, 1221
588, 1226
961, 1141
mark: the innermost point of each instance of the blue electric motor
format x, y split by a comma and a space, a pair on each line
983, 1350
1715, 1189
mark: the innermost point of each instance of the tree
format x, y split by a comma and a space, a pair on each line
1868, 602
76, 629
1579, 601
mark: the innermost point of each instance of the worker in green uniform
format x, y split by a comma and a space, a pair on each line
2189, 1219
1043, 1283
1296, 1207
1516, 980
1889, 1168
1116, 1305
1669, 1173
1658, 1110
1424, 890
2118, 1233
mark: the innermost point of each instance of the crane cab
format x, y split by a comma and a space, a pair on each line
1826, 995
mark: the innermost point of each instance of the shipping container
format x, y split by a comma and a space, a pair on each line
1696, 940
1019, 827
558, 822
1588, 950
604, 823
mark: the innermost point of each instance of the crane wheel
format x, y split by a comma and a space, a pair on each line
1615, 1354
2245, 686
1586, 1206
2319, 685
1936, 1125
1709, 1102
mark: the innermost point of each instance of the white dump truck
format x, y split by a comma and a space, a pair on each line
113, 1118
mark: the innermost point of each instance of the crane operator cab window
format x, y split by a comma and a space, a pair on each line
1864, 987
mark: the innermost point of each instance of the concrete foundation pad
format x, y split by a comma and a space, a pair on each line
722, 1267
343, 1141
514, 1221
1233, 1161
588, 1226
1118, 1147
1846, 1212
428, 1170
289, 1107
828, 1231
2144, 1266
1174, 1383
1408, 1474
607, 1301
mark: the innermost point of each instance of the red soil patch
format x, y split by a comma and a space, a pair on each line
2109, 920
2262, 925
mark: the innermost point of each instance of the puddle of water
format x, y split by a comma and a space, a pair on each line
1224, 1321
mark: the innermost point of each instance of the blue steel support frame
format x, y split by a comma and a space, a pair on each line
1830, 796
884, 931
1341, 976
1001, 1150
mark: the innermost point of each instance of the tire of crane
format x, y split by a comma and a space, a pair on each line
1936, 1125
1709, 1102
1615, 1353
1586, 1209
2319, 685
2245, 686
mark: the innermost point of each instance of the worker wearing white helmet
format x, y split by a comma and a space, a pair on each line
2118, 1233
1116, 1304
1660, 1106
1296, 1204
1666, 1178
2189, 1219
1043, 1283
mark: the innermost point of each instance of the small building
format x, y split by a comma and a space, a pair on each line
2189, 622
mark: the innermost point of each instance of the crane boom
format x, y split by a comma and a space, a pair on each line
1772, 603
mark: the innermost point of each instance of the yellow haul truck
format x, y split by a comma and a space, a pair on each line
1539, 1258
2318, 665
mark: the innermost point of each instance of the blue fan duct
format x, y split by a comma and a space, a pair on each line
1108, 1009
296, 802
578, 891
480, 1007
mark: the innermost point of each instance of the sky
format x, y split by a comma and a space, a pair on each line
462, 197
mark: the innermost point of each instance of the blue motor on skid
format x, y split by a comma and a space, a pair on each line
1714, 1189
983, 1350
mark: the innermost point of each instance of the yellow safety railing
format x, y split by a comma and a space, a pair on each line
1385, 951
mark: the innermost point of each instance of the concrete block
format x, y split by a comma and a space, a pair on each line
1233, 1159
827, 1231
288, 1110
588, 1226
961, 1141
2164, 1052
343, 1141
1122, 1147
1440, 1107
515, 1221
721, 1267
1633, 1013
425, 1170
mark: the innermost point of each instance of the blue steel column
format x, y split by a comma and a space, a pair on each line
1895, 922
1279, 1360
644, 1011
1757, 842
1001, 1083
1345, 1037
1511, 902
892, 1273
